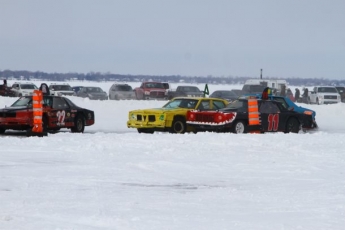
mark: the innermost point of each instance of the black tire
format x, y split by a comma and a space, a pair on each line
239, 127
29, 132
79, 124
2, 130
148, 131
179, 126
292, 125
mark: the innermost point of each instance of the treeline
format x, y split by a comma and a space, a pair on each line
97, 76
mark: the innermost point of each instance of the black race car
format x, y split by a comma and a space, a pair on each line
242, 117
58, 112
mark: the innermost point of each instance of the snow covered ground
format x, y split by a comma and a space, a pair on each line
111, 177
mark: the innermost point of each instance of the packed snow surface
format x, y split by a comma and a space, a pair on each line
112, 177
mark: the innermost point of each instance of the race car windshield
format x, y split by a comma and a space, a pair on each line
181, 103
23, 101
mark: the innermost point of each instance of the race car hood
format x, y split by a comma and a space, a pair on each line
228, 110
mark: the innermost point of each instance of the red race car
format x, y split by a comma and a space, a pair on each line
58, 112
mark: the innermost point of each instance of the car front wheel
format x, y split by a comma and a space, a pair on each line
239, 127
292, 126
179, 126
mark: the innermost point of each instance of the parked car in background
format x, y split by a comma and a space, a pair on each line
185, 91
229, 95
23, 89
324, 95
121, 91
93, 93
76, 89
61, 89
151, 90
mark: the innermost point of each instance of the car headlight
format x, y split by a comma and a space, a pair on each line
133, 117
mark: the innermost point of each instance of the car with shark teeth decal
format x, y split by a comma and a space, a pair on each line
172, 116
269, 116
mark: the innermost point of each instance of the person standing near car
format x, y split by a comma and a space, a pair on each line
297, 94
305, 96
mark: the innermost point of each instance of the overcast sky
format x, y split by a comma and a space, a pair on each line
285, 38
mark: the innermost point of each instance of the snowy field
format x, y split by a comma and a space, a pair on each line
111, 177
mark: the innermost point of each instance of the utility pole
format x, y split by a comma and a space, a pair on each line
261, 74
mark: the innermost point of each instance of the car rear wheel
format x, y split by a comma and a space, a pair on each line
292, 126
79, 124
179, 126
149, 131
239, 127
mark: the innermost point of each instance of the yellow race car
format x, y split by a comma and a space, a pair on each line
172, 116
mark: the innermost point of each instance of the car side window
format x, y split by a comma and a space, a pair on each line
218, 104
59, 103
204, 105
268, 107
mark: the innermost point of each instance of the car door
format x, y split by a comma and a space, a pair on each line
270, 116
61, 115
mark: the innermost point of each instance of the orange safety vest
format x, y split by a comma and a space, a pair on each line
37, 106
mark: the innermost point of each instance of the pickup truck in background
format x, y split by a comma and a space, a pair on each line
185, 91
151, 90
324, 95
